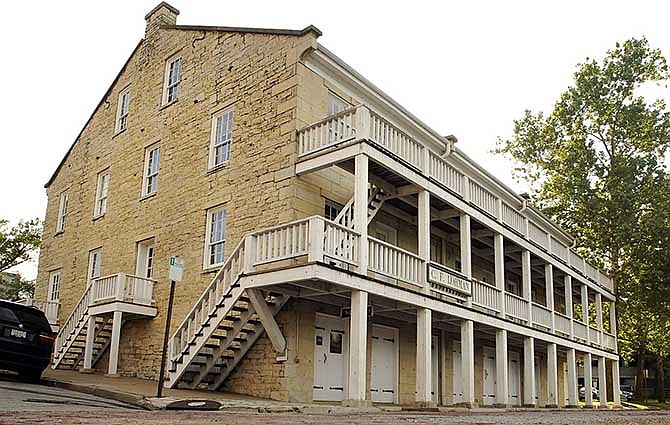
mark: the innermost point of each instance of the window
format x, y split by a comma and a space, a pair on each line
332, 209
336, 104
122, 110
172, 78
101, 194
337, 130
62, 212
94, 260
145, 259
216, 237
152, 161
222, 136
54, 286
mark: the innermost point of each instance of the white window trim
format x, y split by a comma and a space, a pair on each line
62, 211
91, 255
212, 143
147, 174
145, 263
101, 194
166, 79
121, 125
208, 234
50, 291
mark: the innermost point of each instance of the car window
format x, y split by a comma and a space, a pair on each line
7, 315
33, 319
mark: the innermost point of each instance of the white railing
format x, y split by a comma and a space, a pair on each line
107, 288
609, 341
580, 330
513, 219
282, 242
341, 243
50, 308
444, 173
396, 141
483, 198
80, 309
594, 336
394, 262
562, 323
576, 261
537, 235
516, 307
559, 250
332, 130
139, 290
122, 287
485, 295
591, 272
541, 315
605, 281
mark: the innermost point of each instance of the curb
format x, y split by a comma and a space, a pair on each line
133, 400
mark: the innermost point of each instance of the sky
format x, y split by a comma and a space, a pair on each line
467, 68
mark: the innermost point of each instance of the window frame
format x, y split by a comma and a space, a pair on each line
50, 289
168, 96
213, 145
148, 174
100, 207
209, 244
94, 262
63, 200
122, 110
332, 205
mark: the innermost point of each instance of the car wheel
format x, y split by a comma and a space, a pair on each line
31, 375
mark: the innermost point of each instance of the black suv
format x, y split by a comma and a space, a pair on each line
26, 340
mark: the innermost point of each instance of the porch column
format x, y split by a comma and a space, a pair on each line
90, 338
613, 327
361, 210
499, 255
616, 383
588, 382
569, 309
585, 311
572, 378
528, 372
466, 250
468, 362
424, 358
549, 291
358, 336
116, 340
502, 383
552, 376
602, 382
599, 315
527, 284
423, 224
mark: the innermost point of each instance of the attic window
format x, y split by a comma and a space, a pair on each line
172, 79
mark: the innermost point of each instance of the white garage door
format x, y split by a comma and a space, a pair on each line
384, 374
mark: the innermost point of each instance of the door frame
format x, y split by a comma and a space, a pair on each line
396, 362
345, 348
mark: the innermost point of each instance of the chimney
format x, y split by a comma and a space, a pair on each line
163, 14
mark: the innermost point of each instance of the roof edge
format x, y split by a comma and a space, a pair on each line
162, 4
116, 79
273, 31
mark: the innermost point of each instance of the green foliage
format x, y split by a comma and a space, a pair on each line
15, 289
18, 243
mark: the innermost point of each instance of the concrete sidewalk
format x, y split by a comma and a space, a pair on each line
142, 393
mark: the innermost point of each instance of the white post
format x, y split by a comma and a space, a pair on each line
549, 291
316, 240
552, 376
527, 283
569, 310
468, 362
613, 327
250, 252
423, 221
362, 123
602, 382
502, 383
361, 210
499, 259
424, 358
358, 334
616, 390
599, 315
116, 340
528, 372
120, 286
466, 250
90, 337
572, 378
585, 311
588, 382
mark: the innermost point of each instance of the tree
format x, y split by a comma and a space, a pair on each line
16, 288
18, 243
595, 164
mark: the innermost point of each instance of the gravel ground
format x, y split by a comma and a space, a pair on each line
192, 418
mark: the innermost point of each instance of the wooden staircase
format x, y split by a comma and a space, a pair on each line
376, 198
74, 357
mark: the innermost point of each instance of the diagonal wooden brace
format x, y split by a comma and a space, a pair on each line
267, 319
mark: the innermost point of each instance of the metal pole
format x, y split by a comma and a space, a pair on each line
168, 319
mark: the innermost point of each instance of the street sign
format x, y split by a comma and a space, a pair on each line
176, 271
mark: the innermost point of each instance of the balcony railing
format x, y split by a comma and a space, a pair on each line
394, 262
122, 287
541, 315
485, 295
50, 308
364, 124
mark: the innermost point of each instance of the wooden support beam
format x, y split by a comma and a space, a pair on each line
268, 320
446, 214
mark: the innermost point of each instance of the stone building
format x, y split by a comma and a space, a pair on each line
335, 247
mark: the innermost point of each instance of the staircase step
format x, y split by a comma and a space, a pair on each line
219, 337
239, 308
